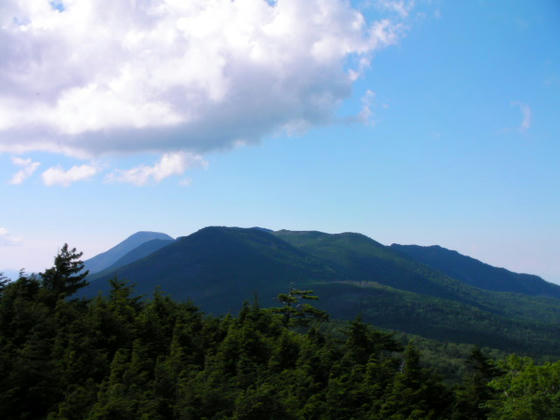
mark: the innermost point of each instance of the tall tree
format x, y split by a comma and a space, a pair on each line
67, 275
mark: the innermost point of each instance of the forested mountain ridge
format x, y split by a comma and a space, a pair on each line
477, 273
219, 267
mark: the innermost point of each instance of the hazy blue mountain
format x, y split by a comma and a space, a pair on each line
477, 273
140, 252
219, 267
104, 260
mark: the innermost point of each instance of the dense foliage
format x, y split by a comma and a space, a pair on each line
120, 357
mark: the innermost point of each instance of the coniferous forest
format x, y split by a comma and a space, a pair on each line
123, 357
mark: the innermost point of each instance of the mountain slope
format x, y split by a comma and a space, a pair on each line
477, 273
106, 259
361, 258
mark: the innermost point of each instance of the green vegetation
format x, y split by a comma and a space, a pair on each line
219, 267
123, 357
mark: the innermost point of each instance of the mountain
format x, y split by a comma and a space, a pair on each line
477, 273
219, 267
106, 259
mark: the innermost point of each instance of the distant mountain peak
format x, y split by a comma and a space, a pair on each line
106, 259
148, 234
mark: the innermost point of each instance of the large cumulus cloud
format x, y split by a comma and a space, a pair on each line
86, 77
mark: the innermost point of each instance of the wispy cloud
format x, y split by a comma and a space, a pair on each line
167, 75
6, 239
58, 176
170, 164
366, 113
401, 7
185, 182
28, 167
526, 113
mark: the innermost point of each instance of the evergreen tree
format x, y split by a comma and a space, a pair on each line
472, 396
67, 275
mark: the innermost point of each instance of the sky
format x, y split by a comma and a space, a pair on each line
414, 122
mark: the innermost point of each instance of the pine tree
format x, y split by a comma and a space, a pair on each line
297, 313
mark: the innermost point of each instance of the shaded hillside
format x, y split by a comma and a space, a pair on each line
477, 273
108, 258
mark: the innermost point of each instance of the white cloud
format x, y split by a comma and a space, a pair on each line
170, 164
6, 239
58, 176
168, 75
28, 167
526, 113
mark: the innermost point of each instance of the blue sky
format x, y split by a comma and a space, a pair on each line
446, 133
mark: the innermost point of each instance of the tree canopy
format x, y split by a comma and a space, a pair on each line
123, 357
